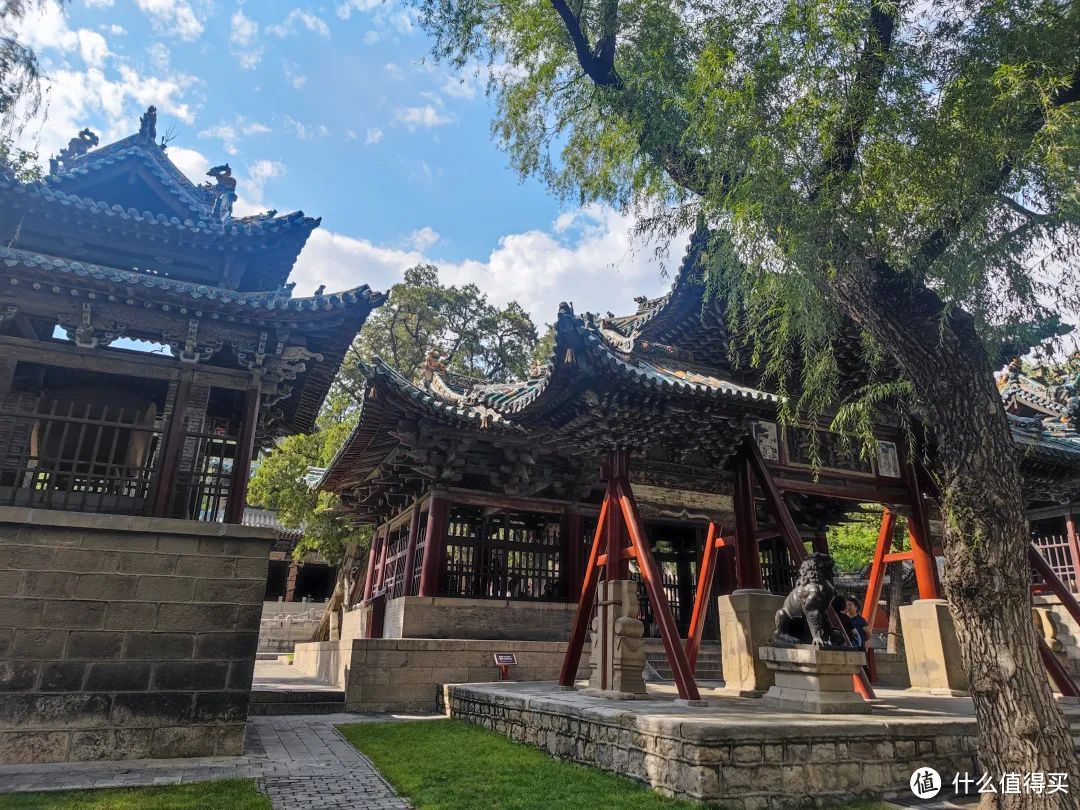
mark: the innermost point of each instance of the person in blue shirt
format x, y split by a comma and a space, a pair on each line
859, 626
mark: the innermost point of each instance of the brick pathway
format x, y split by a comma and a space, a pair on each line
301, 762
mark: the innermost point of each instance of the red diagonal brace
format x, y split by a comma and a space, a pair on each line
650, 574
706, 575
585, 602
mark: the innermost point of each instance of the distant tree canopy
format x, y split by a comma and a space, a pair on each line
852, 542
474, 337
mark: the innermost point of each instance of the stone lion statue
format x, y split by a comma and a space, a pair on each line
803, 618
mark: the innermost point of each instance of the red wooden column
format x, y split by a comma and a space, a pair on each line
1074, 549
877, 568
747, 555
617, 565
922, 551
410, 548
380, 577
369, 576
174, 440
570, 552
245, 449
290, 583
434, 544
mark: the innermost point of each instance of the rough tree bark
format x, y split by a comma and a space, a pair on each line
350, 571
987, 576
987, 580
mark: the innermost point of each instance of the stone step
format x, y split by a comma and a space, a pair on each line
297, 695
297, 700
264, 709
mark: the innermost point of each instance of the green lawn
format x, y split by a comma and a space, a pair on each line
453, 765
229, 794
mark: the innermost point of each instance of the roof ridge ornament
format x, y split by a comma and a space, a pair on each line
223, 189
148, 124
78, 146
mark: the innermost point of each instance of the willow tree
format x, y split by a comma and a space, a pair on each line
909, 167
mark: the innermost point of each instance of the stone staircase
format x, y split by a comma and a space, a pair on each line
295, 701
708, 663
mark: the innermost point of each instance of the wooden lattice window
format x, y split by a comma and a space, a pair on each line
507, 555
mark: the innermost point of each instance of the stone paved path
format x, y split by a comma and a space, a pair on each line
300, 761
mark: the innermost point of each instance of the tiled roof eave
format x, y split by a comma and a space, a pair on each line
263, 303
249, 227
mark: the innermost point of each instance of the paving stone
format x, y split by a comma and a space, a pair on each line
300, 762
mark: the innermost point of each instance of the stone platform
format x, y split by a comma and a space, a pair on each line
736, 750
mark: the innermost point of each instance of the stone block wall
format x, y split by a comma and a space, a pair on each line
450, 617
125, 637
384, 675
892, 670
744, 763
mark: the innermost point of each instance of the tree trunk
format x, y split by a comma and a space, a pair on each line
347, 577
987, 576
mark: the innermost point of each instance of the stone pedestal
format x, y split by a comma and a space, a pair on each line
617, 654
747, 621
814, 679
933, 653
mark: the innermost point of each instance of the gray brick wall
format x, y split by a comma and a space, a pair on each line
125, 637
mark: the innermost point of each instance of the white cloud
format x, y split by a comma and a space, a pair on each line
371, 37
98, 3
394, 71
230, 133
426, 116
243, 36
92, 47
159, 54
346, 9
252, 183
307, 132
292, 74
423, 238
173, 17
298, 17
594, 261
374, 135
192, 163
117, 30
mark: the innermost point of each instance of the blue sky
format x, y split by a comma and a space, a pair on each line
337, 109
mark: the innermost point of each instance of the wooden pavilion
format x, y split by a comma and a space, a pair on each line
639, 423
116, 246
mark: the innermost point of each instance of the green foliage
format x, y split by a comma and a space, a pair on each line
852, 542
24, 165
545, 347
20, 74
834, 148
473, 337
224, 794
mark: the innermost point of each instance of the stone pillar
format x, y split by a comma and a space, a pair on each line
617, 653
747, 622
933, 652
813, 679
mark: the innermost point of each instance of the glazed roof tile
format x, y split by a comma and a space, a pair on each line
256, 302
257, 225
